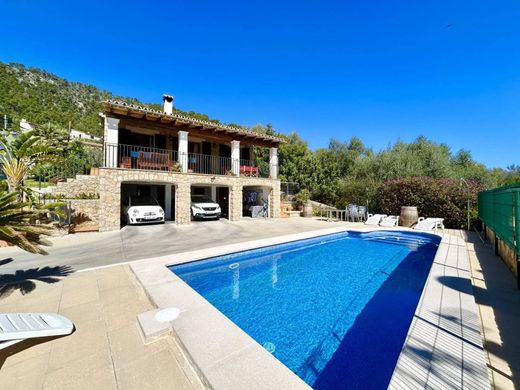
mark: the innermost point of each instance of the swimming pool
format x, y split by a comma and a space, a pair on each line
334, 309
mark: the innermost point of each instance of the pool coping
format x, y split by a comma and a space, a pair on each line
225, 357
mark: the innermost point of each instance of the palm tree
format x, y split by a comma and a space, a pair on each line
19, 154
19, 223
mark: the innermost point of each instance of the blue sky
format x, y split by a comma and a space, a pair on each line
380, 70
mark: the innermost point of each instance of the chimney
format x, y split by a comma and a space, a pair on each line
168, 103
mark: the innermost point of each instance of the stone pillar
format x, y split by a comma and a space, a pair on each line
109, 200
274, 201
273, 163
111, 142
235, 157
183, 204
235, 202
167, 202
214, 193
183, 150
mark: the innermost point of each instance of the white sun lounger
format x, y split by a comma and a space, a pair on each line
16, 327
390, 221
374, 219
429, 223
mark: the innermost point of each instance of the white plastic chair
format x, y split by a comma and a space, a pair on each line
390, 221
429, 224
17, 327
374, 219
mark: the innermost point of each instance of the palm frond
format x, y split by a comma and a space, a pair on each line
18, 224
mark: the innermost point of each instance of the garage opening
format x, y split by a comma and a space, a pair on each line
203, 196
255, 203
161, 194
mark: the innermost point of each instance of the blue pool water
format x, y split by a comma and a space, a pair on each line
334, 309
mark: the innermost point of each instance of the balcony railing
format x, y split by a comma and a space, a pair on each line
206, 164
154, 159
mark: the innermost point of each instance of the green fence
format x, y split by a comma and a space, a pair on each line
499, 209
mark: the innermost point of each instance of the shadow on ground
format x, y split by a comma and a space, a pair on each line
502, 296
25, 280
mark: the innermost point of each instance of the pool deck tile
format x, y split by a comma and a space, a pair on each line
443, 349
106, 350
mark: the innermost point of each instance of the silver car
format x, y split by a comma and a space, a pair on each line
203, 207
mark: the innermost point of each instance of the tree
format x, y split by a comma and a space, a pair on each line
18, 224
297, 163
20, 154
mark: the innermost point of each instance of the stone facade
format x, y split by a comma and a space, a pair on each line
82, 184
110, 180
87, 209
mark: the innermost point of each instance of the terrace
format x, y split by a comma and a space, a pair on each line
157, 159
107, 350
140, 138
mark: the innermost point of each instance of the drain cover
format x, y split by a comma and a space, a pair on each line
270, 347
234, 266
167, 315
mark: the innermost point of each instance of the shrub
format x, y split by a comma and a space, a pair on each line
302, 198
443, 198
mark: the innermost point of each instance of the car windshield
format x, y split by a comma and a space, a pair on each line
201, 199
143, 201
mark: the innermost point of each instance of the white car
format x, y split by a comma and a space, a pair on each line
203, 207
138, 209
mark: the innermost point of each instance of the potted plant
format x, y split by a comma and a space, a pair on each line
176, 168
302, 199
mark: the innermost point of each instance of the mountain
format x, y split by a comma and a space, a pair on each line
42, 97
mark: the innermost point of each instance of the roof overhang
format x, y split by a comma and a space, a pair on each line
122, 109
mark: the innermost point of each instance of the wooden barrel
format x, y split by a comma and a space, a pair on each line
409, 216
307, 210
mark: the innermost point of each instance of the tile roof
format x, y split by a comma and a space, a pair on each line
123, 108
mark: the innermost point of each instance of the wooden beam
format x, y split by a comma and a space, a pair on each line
214, 135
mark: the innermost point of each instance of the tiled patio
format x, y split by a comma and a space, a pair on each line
106, 351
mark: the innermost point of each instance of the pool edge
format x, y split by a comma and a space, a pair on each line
224, 356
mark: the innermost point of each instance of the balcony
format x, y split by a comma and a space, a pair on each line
154, 159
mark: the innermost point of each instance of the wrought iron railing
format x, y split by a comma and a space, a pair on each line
206, 164
146, 158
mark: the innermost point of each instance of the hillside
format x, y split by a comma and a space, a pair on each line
42, 97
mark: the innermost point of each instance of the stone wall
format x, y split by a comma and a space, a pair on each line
82, 184
88, 208
110, 180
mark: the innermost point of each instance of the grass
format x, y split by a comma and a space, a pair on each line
34, 183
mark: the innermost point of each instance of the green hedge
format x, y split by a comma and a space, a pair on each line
442, 198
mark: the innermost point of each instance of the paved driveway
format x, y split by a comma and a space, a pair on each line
87, 250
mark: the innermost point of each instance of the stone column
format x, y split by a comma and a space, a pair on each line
235, 202
183, 204
235, 157
214, 193
109, 200
183, 150
274, 201
111, 142
273, 163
